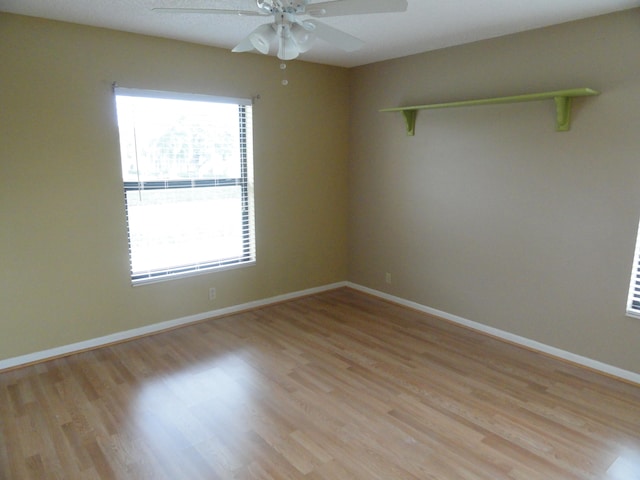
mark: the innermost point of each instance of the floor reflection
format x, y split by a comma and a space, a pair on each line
626, 467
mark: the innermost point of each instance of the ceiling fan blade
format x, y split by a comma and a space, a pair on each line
241, 13
355, 7
246, 45
336, 37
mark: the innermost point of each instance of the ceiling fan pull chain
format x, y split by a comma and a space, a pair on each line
283, 67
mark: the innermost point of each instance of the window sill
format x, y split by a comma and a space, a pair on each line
633, 314
193, 273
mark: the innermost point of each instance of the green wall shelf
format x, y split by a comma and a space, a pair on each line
562, 99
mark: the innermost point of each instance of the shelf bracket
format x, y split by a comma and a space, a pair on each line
563, 113
410, 119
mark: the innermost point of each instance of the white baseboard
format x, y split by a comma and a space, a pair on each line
170, 324
154, 328
509, 337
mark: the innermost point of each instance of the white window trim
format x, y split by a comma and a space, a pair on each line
205, 268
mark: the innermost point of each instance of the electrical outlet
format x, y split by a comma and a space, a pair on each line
212, 294
387, 277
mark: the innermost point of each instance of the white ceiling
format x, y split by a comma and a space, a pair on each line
426, 25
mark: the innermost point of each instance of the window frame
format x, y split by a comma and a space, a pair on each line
633, 296
244, 181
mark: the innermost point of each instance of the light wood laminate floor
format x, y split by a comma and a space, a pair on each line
338, 385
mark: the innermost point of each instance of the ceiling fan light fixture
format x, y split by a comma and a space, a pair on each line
287, 46
262, 37
288, 50
303, 37
295, 35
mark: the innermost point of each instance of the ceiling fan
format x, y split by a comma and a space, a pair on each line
296, 35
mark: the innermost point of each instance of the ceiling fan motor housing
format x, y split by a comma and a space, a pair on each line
274, 7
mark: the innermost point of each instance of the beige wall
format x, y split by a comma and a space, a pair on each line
63, 248
488, 213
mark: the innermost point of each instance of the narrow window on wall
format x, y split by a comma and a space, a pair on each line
188, 182
633, 300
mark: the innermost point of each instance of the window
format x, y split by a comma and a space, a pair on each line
633, 300
188, 186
